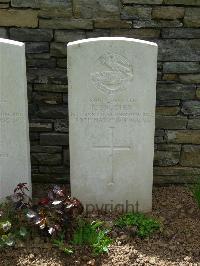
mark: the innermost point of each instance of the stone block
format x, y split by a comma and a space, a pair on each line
167, 12
182, 33
36, 35
47, 98
167, 103
191, 108
66, 156
178, 50
37, 127
193, 123
66, 24
112, 24
190, 78
173, 91
50, 87
18, 18
136, 12
68, 35
53, 139
3, 33
157, 23
136, 33
47, 75
143, 2
190, 156
176, 171
183, 136
53, 169
61, 125
166, 158
61, 62
46, 158
58, 49
192, 17
46, 149
171, 122
181, 67
172, 110
183, 2
57, 12
37, 47
168, 147
41, 63
52, 111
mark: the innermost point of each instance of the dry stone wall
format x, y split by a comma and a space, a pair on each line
46, 26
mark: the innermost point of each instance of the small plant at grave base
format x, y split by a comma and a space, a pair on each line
93, 234
145, 226
196, 192
59, 242
12, 217
55, 213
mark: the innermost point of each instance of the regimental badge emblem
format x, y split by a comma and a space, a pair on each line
114, 73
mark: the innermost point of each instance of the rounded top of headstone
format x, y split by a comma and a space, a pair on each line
124, 39
11, 42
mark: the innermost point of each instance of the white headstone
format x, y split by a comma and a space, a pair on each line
14, 133
112, 96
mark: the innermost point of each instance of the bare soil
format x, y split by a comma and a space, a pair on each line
177, 244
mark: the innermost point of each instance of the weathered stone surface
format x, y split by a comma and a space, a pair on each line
100, 123
181, 67
98, 33
94, 8
190, 78
37, 47
50, 87
167, 103
167, 12
61, 62
41, 3
166, 158
47, 75
66, 156
52, 139
156, 23
51, 111
136, 33
37, 126
68, 35
143, 2
184, 33
4, 5
5, 1
112, 24
136, 12
171, 122
58, 49
192, 17
61, 125
3, 33
41, 63
168, 147
194, 123
183, 2
36, 35
46, 158
66, 24
14, 133
173, 110
178, 50
173, 91
18, 18
190, 155
57, 12
47, 98
170, 77
180, 180
184, 136
46, 149
53, 169
176, 170
50, 178
191, 108
198, 92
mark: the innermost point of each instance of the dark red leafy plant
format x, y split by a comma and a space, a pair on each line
55, 213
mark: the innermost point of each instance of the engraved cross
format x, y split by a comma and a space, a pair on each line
113, 148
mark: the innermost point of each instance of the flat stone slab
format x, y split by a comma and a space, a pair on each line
112, 97
14, 132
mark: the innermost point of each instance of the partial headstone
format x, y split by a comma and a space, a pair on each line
14, 133
112, 97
